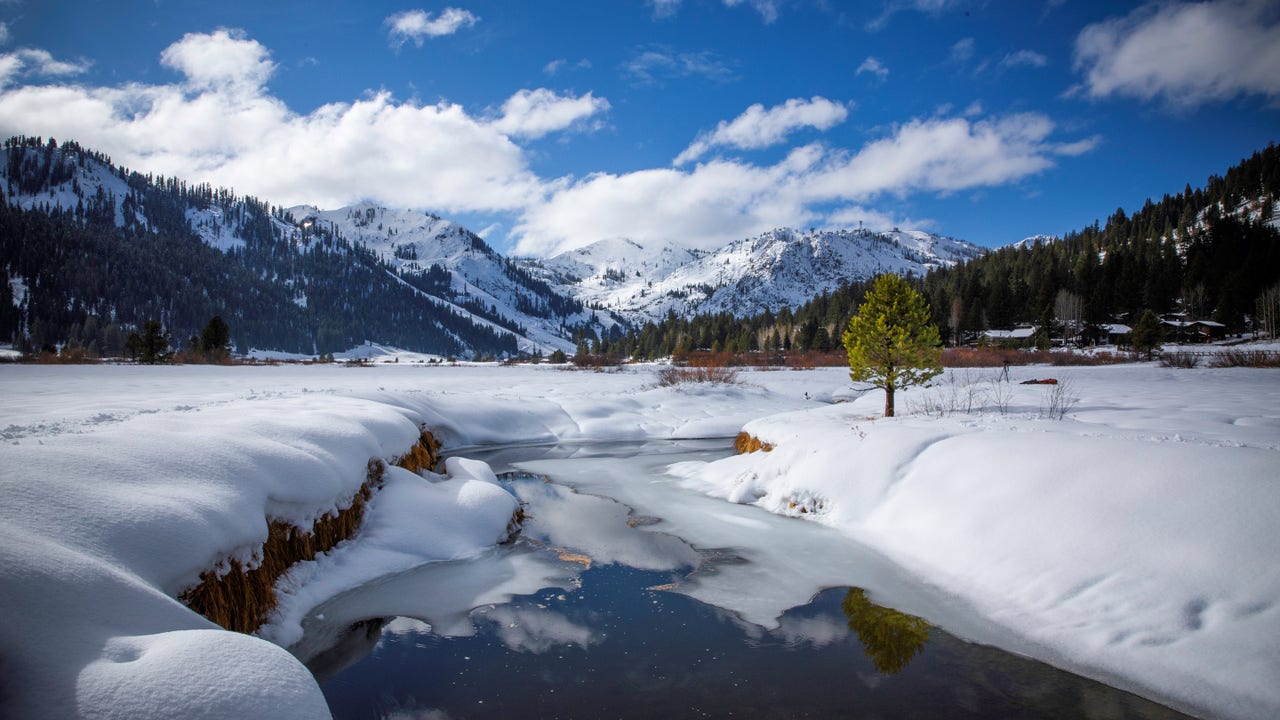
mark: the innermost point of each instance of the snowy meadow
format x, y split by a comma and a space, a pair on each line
1122, 524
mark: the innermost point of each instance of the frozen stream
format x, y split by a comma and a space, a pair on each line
630, 596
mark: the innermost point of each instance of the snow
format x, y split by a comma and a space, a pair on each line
780, 268
1133, 540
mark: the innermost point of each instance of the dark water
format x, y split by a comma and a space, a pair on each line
614, 644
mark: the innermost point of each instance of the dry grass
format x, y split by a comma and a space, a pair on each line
976, 357
241, 598
423, 456
745, 443
1245, 358
671, 376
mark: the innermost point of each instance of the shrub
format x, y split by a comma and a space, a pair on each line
671, 376
1185, 360
1246, 358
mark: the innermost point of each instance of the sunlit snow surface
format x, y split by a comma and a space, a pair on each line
1134, 540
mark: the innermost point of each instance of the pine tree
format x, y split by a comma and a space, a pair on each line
215, 338
891, 342
1145, 337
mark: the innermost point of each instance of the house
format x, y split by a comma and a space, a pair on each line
1117, 333
1018, 335
1182, 330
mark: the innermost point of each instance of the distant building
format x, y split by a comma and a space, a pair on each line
1195, 331
1117, 333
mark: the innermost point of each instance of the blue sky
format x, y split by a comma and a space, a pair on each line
548, 125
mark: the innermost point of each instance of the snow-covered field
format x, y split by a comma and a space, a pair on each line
1134, 539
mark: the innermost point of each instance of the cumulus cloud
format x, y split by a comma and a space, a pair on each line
874, 66
220, 60
221, 125
418, 25
942, 155
1186, 53
758, 127
653, 65
715, 203
534, 113
724, 200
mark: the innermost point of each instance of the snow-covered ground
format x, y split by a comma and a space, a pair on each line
1134, 539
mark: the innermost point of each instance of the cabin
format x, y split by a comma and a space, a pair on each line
1117, 334
1179, 329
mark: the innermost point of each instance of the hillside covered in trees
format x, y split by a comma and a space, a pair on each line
1212, 253
91, 252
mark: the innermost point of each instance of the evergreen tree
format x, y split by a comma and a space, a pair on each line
892, 343
1145, 337
153, 345
215, 338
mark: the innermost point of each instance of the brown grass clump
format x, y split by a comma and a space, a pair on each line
423, 456
1246, 358
745, 443
241, 598
671, 375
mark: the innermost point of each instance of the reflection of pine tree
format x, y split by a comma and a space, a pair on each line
890, 638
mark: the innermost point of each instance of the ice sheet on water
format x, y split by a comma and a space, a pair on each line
440, 594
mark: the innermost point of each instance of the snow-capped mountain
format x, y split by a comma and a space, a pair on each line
460, 267
1034, 240
782, 267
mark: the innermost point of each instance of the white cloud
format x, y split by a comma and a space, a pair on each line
1024, 58
663, 9
715, 203
962, 51
942, 155
225, 128
768, 9
724, 200
219, 60
652, 66
534, 113
758, 127
36, 62
555, 66
4, 33
847, 217
1185, 53
874, 66
893, 7
418, 25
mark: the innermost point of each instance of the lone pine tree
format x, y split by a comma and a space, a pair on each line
891, 342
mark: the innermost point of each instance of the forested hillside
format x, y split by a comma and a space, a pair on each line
90, 252
1209, 252
1213, 253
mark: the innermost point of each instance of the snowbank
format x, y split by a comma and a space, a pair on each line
103, 528
123, 483
1134, 540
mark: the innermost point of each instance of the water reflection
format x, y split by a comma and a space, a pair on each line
890, 638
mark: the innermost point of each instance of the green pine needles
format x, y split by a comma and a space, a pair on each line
891, 342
